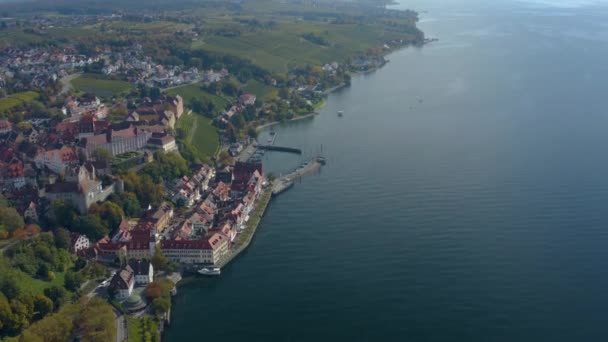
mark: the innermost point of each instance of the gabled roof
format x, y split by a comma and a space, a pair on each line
123, 279
140, 267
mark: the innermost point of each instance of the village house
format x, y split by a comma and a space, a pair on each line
166, 109
142, 244
183, 230
142, 270
12, 175
156, 219
56, 160
30, 214
123, 282
247, 99
199, 223
5, 127
79, 242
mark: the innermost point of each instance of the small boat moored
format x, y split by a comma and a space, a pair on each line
340, 112
211, 271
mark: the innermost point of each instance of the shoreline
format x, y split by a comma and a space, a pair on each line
297, 118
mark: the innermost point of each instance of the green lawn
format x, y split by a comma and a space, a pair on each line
142, 329
200, 132
16, 99
101, 87
194, 91
36, 286
260, 90
275, 50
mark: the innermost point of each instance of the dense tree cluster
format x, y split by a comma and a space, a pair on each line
159, 294
39, 257
93, 320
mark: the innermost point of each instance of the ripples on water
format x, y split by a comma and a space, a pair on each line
478, 214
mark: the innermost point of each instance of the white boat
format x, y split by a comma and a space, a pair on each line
209, 271
340, 112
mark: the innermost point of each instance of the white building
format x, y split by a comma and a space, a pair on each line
56, 160
143, 271
80, 242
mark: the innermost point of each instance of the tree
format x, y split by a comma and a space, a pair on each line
65, 214
249, 113
92, 227
153, 291
23, 126
62, 238
284, 93
238, 121
159, 260
97, 322
130, 204
57, 294
110, 213
230, 88
10, 288
196, 105
73, 280
43, 271
10, 219
161, 305
225, 158
43, 306
101, 154
252, 132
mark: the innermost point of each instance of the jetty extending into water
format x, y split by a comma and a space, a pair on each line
279, 149
285, 182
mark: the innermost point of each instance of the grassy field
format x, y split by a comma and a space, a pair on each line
139, 28
194, 91
275, 50
16, 99
36, 286
260, 90
200, 133
99, 86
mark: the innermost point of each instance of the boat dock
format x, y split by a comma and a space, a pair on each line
279, 149
285, 182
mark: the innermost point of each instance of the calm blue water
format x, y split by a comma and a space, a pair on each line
476, 214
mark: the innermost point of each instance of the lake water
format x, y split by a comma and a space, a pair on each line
465, 197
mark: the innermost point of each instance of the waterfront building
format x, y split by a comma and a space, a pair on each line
207, 251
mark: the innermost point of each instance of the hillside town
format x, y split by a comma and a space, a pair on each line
128, 147
79, 162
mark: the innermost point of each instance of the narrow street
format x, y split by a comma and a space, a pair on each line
122, 333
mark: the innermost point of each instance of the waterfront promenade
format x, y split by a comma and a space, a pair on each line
244, 238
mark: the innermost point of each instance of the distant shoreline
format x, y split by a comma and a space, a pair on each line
274, 123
